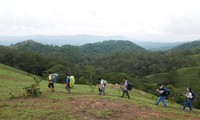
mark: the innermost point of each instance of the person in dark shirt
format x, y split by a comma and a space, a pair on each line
162, 96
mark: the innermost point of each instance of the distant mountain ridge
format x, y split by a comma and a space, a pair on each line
87, 52
58, 39
83, 39
188, 45
158, 46
113, 46
107, 46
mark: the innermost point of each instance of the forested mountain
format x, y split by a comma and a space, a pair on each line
188, 45
58, 39
111, 60
105, 47
23, 59
84, 54
112, 46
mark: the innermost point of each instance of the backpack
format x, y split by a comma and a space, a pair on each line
54, 77
104, 82
130, 86
193, 95
167, 91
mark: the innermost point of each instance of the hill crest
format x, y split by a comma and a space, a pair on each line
188, 45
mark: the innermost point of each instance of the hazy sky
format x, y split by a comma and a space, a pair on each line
157, 20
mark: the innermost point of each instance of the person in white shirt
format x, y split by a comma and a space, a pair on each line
102, 84
189, 99
125, 88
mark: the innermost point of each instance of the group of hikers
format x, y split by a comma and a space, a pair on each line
69, 82
163, 92
190, 95
124, 87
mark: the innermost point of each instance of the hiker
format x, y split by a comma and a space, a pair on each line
189, 98
51, 82
125, 90
102, 87
67, 85
162, 93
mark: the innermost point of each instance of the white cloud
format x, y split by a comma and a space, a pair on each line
138, 19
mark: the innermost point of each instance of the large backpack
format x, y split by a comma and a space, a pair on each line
193, 95
54, 77
130, 86
167, 91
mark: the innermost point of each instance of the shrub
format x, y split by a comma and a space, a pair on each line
11, 96
34, 89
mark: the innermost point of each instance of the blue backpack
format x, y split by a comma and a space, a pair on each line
54, 77
167, 91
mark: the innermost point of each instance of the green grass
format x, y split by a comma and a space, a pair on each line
187, 77
81, 103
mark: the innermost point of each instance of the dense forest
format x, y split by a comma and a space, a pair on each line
112, 60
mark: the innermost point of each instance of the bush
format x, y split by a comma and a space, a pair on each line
11, 96
34, 89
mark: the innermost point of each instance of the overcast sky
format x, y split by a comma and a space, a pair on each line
157, 20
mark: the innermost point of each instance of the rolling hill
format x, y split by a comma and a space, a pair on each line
111, 46
81, 103
188, 45
84, 54
105, 47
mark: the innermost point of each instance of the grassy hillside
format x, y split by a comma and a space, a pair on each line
81, 103
189, 76
185, 77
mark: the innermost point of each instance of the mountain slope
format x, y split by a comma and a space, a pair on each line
58, 39
81, 103
84, 54
188, 45
111, 46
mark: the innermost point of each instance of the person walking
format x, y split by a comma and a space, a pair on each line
102, 87
51, 82
162, 96
67, 85
125, 88
189, 98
